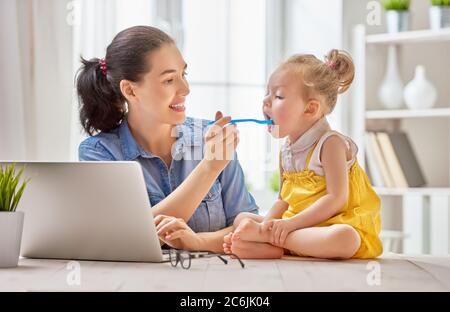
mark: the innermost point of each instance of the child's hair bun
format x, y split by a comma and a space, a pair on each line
342, 65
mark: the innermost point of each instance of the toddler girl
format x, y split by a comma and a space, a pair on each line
326, 206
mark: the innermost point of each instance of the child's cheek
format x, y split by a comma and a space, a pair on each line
281, 115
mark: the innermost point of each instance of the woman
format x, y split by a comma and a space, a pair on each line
134, 100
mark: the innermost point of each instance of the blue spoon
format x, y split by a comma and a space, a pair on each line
234, 121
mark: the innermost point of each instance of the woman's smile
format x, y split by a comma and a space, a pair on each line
178, 106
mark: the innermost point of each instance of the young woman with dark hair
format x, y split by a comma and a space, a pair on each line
132, 104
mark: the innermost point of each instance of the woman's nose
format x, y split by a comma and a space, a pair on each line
184, 88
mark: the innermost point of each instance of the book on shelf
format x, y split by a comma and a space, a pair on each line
408, 160
373, 170
380, 162
391, 160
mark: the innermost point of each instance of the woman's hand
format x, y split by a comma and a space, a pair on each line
183, 201
176, 233
221, 141
280, 228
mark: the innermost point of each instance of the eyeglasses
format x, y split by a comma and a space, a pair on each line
184, 257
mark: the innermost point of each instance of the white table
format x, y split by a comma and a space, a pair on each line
398, 273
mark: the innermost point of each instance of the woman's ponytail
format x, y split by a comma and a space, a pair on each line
101, 107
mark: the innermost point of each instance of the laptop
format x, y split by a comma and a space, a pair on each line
88, 211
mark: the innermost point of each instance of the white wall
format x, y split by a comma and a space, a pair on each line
12, 123
36, 81
312, 29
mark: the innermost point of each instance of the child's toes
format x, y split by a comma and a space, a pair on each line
226, 247
227, 241
235, 236
227, 238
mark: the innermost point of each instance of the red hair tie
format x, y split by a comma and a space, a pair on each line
331, 64
103, 67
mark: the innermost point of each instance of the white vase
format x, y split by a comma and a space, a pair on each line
390, 92
419, 92
11, 226
397, 21
439, 17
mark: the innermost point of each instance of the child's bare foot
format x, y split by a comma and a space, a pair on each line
250, 230
255, 250
227, 243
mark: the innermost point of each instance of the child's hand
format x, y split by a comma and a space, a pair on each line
280, 229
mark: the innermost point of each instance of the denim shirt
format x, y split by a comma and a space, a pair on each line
227, 197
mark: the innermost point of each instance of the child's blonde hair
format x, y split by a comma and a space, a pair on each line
324, 78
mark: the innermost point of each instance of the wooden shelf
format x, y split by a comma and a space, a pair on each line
414, 36
386, 191
408, 113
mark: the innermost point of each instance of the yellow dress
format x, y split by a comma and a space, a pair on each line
362, 210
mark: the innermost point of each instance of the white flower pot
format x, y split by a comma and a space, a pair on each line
390, 92
439, 17
11, 226
419, 92
397, 21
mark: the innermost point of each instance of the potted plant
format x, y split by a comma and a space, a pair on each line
439, 14
397, 15
11, 221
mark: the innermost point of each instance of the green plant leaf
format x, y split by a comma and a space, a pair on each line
440, 2
19, 195
1, 193
16, 180
395, 5
10, 194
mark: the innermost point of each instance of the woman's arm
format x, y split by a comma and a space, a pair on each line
177, 234
334, 162
213, 241
220, 145
183, 201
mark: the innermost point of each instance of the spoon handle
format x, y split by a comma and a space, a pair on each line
263, 122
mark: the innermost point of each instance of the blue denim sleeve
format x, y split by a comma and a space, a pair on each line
235, 197
93, 151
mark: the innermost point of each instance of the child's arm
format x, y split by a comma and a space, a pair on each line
277, 210
334, 162
280, 206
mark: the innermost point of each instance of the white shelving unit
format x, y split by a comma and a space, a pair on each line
416, 36
408, 113
425, 212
